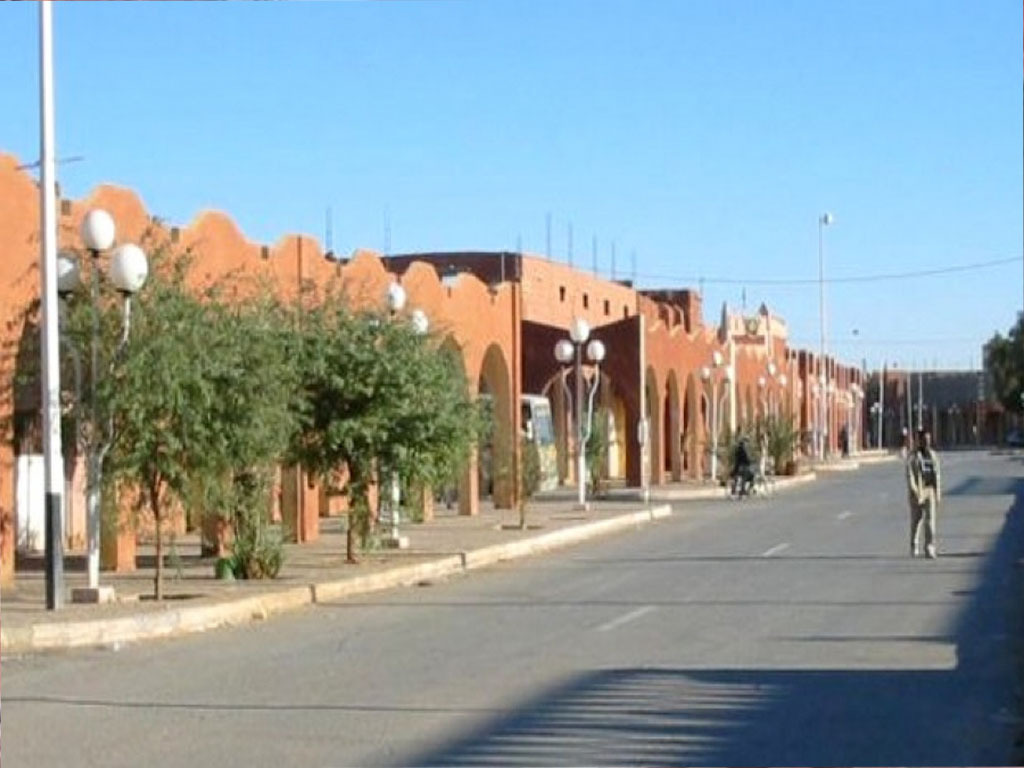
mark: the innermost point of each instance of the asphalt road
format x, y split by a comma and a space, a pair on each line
789, 631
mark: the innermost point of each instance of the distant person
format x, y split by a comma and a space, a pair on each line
742, 475
924, 492
905, 447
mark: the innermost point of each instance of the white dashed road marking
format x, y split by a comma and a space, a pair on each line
775, 550
625, 618
844, 514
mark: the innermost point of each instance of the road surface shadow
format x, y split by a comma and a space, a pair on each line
730, 717
966, 715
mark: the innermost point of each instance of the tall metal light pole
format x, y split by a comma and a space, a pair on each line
54, 463
823, 221
881, 406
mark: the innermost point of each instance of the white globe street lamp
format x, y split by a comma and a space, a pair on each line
420, 322
712, 376
567, 351
579, 330
127, 273
98, 230
69, 273
129, 268
396, 299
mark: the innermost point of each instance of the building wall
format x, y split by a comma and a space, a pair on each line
481, 321
658, 342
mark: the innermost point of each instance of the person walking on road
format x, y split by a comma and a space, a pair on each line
924, 491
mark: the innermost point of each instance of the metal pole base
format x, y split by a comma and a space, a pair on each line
54, 554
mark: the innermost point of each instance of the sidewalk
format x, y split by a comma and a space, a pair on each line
316, 572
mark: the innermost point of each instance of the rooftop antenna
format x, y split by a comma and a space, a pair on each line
593, 254
328, 236
58, 161
570, 243
613, 259
547, 239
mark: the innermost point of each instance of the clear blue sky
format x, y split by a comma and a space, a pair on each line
706, 137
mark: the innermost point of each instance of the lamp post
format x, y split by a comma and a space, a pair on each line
396, 301
710, 375
571, 351
50, 353
825, 220
816, 411
127, 272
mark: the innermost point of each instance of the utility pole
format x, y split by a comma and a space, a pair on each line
881, 408
50, 331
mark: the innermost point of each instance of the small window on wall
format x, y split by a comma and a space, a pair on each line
625, 311
586, 301
561, 293
607, 307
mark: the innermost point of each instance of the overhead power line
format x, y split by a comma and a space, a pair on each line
875, 278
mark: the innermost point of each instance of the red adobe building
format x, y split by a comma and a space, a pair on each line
502, 312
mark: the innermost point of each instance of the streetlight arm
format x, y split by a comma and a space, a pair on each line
590, 405
565, 389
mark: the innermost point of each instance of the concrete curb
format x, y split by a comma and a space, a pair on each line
176, 622
148, 626
846, 466
718, 492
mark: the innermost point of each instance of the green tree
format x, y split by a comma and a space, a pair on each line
377, 398
252, 380
1004, 363
201, 391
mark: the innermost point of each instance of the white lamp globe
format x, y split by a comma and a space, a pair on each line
716, 358
596, 350
772, 369
827, 218
420, 322
579, 331
705, 373
783, 381
128, 268
729, 373
69, 277
761, 381
98, 230
396, 297
564, 351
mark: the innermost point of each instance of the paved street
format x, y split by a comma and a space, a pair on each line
788, 631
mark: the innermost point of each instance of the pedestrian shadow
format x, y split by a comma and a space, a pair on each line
988, 486
958, 712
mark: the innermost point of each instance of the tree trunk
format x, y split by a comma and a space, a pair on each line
350, 540
158, 579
